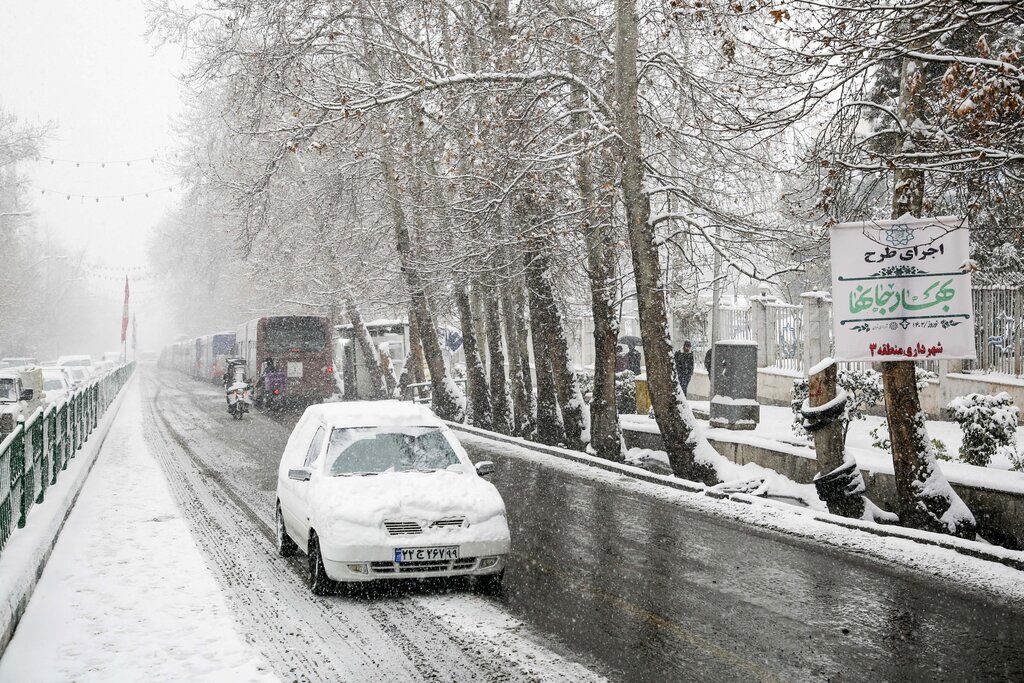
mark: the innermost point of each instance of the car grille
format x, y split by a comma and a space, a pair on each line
403, 528
463, 563
450, 522
409, 527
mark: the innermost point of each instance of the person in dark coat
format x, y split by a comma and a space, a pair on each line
684, 366
633, 363
707, 361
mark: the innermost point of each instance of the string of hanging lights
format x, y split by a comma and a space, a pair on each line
96, 198
108, 163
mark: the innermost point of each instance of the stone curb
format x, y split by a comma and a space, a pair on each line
969, 548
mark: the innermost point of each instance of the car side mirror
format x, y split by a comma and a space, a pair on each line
299, 474
27, 394
485, 468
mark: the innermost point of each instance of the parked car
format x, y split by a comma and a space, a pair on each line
102, 367
21, 393
79, 375
76, 362
15, 362
57, 384
383, 490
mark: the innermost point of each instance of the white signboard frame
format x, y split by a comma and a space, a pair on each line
901, 290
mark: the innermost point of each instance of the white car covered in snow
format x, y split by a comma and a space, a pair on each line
58, 383
383, 490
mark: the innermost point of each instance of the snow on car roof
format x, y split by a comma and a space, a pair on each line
72, 359
373, 414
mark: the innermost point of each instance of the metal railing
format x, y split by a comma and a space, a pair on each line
422, 392
785, 335
34, 454
999, 324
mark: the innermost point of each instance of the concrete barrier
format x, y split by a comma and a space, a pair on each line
999, 511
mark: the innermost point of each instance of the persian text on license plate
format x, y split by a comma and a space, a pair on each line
439, 554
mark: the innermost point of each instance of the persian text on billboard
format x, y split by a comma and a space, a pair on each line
901, 290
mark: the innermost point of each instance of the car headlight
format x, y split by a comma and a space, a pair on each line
359, 568
486, 562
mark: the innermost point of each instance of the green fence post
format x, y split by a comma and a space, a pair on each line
18, 472
6, 518
39, 459
65, 434
53, 444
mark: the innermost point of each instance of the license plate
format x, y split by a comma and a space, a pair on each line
295, 369
440, 554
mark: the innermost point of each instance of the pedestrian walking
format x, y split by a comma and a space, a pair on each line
684, 366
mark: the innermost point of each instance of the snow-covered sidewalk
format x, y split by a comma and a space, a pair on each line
126, 594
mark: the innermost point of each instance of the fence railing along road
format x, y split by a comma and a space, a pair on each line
39, 449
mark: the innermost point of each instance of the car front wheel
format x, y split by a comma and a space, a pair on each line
490, 584
285, 545
319, 583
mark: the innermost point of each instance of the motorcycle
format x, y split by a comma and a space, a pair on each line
237, 388
239, 399
273, 394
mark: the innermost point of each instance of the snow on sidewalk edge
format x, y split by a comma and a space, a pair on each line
28, 550
975, 549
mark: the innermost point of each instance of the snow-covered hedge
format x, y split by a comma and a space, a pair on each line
625, 391
989, 424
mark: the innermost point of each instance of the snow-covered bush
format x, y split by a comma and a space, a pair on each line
989, 424
625, 391
1016, 459
585, 381
880, 440
863, 390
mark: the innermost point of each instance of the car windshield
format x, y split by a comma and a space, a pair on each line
8, 389
77, 363
52, 385
371, 450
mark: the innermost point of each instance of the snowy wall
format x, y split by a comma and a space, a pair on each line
999, 509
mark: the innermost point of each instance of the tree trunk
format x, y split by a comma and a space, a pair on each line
829, 440
479, 395
523, 332
522, 413
670, 409
501, 399
370, 358
925, 498
446, 398
549, 428
549, 325
605, 432
417, 374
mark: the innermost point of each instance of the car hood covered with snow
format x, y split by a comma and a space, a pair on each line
353, 509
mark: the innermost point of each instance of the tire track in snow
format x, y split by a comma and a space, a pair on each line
421, 637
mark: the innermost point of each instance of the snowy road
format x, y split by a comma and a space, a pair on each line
224, 474
602, 579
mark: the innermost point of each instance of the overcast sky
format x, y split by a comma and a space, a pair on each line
85, 65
